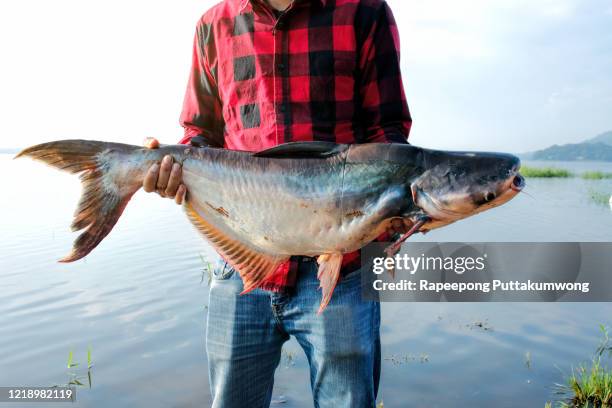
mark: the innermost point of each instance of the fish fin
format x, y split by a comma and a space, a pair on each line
106, 191
394, 248
328, 274
301, 150
253, 266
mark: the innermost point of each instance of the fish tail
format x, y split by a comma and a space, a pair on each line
108, 177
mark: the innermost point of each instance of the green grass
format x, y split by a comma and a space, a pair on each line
207, 271
605, 345
74, 375
587, 387
71, 362
554, 172
545, 172
599, 198
596, 175
592, 386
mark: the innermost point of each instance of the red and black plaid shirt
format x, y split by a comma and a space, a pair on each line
320, 70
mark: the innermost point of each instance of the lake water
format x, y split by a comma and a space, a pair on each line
139, 302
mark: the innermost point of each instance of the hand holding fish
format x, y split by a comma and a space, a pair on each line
165, 178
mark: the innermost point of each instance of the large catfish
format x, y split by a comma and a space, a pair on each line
307, 198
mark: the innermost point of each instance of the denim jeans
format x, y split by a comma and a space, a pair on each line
245, 334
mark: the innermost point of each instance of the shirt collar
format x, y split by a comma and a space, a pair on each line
244, 3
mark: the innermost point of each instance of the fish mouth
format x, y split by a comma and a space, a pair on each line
440, 215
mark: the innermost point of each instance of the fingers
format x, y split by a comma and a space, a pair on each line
150, 180
166, 179
164, 175
174, 180
151, 143
149, 184
181, 192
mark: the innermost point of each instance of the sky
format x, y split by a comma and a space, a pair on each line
509, 75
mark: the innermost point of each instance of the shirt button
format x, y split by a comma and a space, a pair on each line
282, 108
281, 67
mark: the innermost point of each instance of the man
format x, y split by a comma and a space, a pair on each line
266, 72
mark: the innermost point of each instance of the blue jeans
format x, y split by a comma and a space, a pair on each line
245, 334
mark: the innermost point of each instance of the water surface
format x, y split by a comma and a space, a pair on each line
139, 302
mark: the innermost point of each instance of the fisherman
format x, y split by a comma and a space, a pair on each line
266, 72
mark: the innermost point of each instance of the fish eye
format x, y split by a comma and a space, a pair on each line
489, 196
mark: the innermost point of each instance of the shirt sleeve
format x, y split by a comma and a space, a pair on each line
385, 114
201, 114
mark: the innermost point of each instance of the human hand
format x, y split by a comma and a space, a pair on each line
165, 178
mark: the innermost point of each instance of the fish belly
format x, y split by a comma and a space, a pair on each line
281, 207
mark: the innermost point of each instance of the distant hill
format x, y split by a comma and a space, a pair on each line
598, 148
603, 138
575, 152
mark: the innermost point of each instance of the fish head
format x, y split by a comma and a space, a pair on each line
457, 185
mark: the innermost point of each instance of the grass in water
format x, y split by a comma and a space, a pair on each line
592, 386
545, 172
596, 175
589, 386
605, 345
599, 198
75, 377
207, 271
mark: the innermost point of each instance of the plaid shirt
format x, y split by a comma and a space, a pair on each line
320, 70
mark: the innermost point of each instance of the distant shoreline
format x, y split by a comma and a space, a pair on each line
598, 148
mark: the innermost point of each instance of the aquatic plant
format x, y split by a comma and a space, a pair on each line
74, 377
588, 386
71, 362
207, 271
596, 175
591, 386
528, 360
545, 172
605, 345
599, 197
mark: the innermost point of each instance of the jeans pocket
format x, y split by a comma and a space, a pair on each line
222, 270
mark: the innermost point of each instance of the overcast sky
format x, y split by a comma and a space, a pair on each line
511, 75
